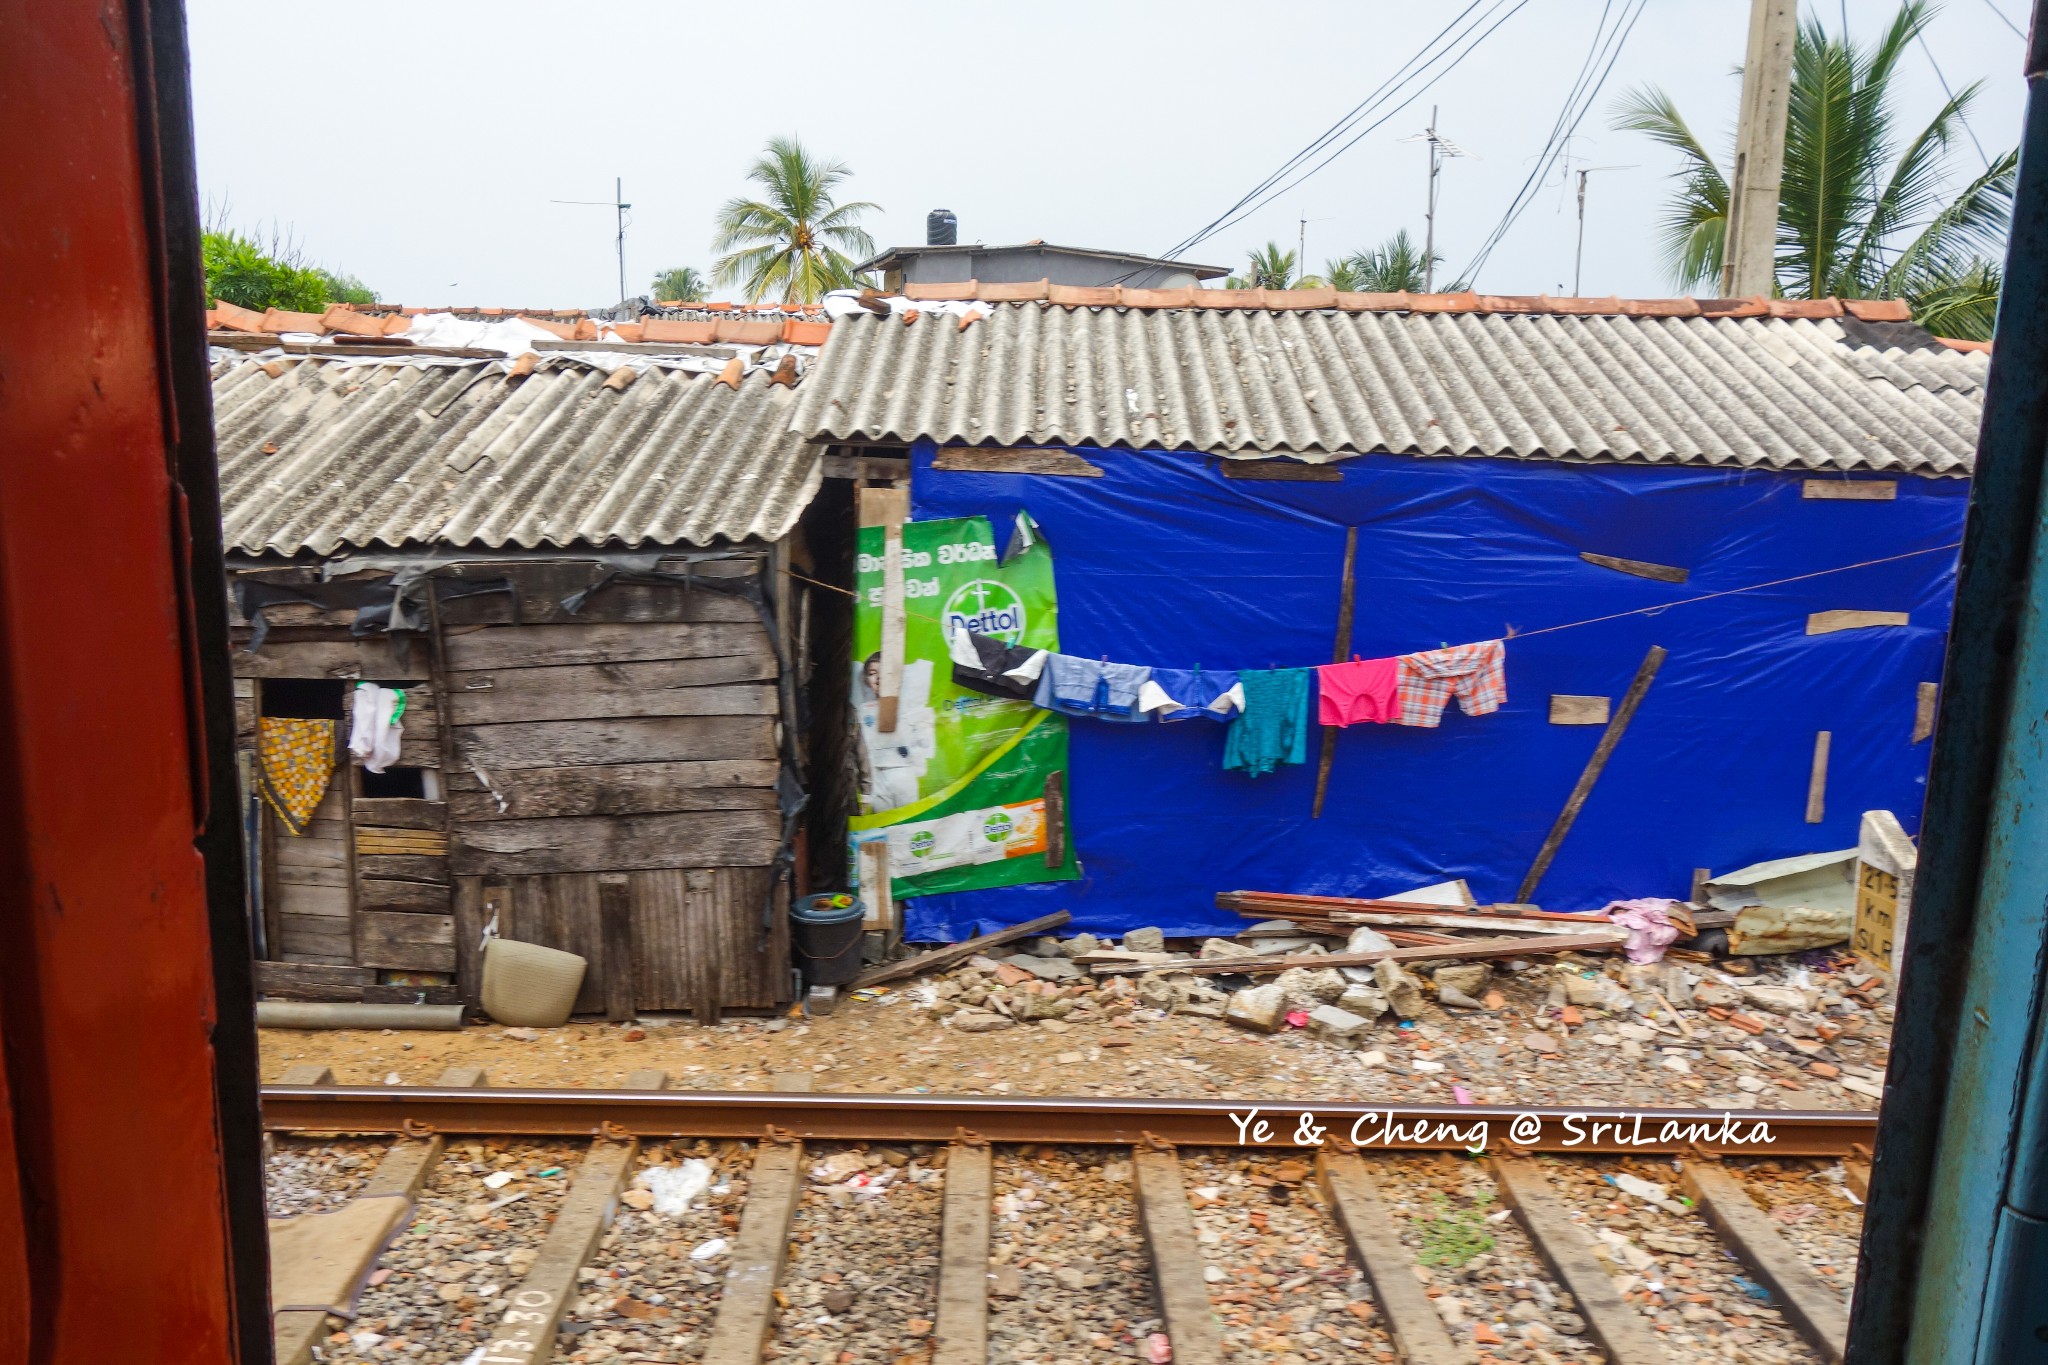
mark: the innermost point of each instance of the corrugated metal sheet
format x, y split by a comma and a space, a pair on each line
329, 454
1780, 393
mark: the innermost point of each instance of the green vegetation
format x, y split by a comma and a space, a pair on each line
1862, 214
1455, 1236
252, 274
1272, 267
679, 284
1395, 266
794, 241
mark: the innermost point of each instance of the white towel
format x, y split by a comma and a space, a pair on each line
375, 730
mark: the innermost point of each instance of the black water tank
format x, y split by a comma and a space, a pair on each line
941, 228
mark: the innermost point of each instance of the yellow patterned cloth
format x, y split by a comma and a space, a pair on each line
298, 761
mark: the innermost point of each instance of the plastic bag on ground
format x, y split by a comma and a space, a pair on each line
675, 1188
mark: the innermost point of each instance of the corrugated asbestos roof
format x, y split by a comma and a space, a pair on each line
1628, 384
318, 455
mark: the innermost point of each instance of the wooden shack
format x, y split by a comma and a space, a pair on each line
584, 587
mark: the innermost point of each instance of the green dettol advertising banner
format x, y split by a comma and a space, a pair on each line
958, 788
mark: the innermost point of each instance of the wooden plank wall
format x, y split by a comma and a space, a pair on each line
637, 737
311, 881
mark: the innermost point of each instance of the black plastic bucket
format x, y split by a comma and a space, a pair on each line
826, 940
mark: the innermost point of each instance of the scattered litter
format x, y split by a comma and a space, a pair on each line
497, 1180
1647, 1190
707, 1250
1751, 1288
1648, 921
552, 1170
1461, 1094
869, 994
676, 1188
497, 1204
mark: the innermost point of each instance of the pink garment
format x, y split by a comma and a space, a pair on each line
1361, 691
1650, 930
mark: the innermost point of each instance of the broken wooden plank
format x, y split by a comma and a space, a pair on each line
746, 1309
1389, 1267
526, 1334
1566, 709
1177, 1262
304, 981
1850, 490
1018, 460
960, 1334
1522, 945
1646, 673
1817, 780
420, 898
1560, 1244
889, 508
745, 838
590, 743
1575, 924
403, 867
398, 812
1278, 471
615, 789
598, 642
1925, 702
1828, 622
328, 659
402, 941
958, 952
431, 843
1639, 568
1347, 593
1815, 1310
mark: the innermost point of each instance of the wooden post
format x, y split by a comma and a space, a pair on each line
961, 1334
889, 508
1925, 703
1346, 596
1645, 674
1817, 781
1749, 263
615, 929
1056, 819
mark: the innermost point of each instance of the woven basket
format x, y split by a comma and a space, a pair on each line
528, 985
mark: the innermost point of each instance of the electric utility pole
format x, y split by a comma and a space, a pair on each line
1439, 148
1579, 252
1749, 259
617, 203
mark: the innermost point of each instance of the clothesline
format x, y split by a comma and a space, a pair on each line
1512, 634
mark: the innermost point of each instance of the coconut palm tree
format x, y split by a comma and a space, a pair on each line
679, 284
794, 240
1272, 267
1861, 216
1394, 266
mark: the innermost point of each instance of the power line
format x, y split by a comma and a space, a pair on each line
1431, 55
1607, 43
1921, 38
2003, 20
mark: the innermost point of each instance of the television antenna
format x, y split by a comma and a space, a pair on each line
1440, 147
1579, 251
617, 203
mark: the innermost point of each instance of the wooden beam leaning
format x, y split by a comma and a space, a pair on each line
960, 1336
958, 952
1176, 1258
1622, 1332
1816, 1311
1646, 673
746, 1310
526, 1334
1411, 1319
1347, 594
404, 1169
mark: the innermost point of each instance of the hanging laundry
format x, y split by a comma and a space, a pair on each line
375, 732
1274, 727
984, 664
1360, 692
1089, 687
1185, 694
1475, 674
297, 761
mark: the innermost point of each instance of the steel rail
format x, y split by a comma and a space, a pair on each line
843, 1117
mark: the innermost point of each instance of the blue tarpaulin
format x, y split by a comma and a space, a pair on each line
1164, 561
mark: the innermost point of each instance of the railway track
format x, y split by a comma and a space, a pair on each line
469, 1224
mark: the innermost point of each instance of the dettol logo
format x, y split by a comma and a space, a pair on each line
922, 842
998, 827
986, 606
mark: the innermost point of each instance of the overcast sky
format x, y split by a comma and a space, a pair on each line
418, 145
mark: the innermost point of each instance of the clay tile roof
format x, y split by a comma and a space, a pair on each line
1786, 384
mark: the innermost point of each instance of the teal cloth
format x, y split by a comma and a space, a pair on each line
1274, 727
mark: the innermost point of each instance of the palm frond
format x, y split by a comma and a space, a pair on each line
1694, 229
1964, 305
793, 240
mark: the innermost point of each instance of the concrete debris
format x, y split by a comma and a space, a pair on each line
1467, 978
1760, 929
1259, 1007
1337, 1026
1403, 992
1307, 987
1079, 944
1223, 947
1366, 939
1145, 941
1365, 1000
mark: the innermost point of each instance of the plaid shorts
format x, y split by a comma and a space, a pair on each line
1475, 674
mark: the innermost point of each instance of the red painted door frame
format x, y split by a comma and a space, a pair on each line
130, 1179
